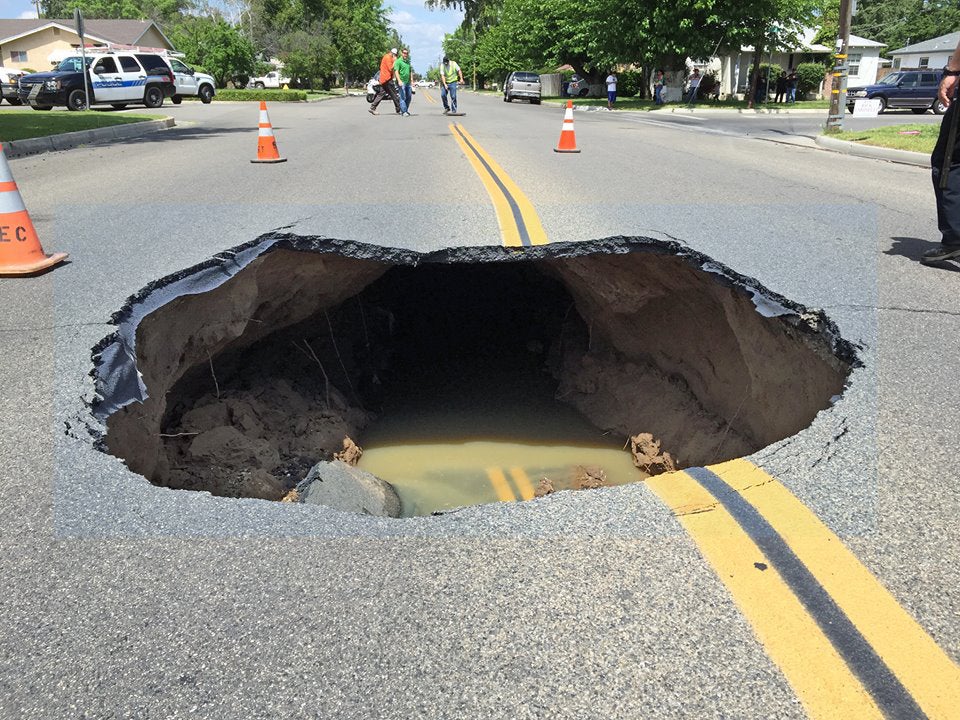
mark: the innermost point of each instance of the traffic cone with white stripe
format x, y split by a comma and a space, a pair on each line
568, 140
20, 250
266, 143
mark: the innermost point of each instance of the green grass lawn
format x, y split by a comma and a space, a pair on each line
913, 136
17, 125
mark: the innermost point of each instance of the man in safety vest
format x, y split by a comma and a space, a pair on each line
387, 85
450, 72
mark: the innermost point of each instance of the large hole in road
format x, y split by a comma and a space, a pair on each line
468, 375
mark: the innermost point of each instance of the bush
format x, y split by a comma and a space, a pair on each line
629, 83
809, 77
267, 95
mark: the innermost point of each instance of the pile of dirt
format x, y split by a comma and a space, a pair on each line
647, 456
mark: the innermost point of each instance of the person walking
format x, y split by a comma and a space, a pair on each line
387, 84
945, 168
781, 87
611, 90
693, 87
450, 74
658, 83
404, 76
792, 86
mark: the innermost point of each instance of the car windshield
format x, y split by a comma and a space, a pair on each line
72, 64
891, 79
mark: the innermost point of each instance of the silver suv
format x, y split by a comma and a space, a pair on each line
525, 85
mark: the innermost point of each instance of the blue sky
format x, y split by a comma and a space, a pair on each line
421, 29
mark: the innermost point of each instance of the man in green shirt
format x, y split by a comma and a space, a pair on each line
404, 76
450, 72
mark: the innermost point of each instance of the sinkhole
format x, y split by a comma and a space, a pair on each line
467, 375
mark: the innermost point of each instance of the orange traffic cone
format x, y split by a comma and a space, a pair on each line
20, 251
266, 143
568, 140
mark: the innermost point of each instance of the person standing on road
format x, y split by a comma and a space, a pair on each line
693, 86
946, 159
611, 90
387, 85
404, 76
658, 88
781, 87
450, 74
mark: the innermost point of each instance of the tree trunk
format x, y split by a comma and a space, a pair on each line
755, 75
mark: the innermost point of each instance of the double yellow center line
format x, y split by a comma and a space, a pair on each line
519, 222
844, 643
502, 488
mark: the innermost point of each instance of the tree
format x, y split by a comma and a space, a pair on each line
904, 22
161, 11
216, 45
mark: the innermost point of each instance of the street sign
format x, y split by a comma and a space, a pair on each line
78, 22
866, 108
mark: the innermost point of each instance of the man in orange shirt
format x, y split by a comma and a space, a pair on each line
387, 86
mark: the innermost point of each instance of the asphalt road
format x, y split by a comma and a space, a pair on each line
126, 600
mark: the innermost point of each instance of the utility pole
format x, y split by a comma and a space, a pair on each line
838, 86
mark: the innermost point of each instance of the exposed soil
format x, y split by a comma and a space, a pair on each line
252, 380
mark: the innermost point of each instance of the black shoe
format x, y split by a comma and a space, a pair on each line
944, 252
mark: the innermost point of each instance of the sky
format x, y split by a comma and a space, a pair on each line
421, 29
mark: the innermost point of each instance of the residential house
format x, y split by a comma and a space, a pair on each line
929, 53
36, 44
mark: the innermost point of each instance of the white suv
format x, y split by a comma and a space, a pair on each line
190, 82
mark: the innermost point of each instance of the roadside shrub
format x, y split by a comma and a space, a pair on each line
267, 95
809, 77
629, 83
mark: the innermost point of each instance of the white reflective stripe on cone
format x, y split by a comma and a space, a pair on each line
11, 202
265, 132
264, 119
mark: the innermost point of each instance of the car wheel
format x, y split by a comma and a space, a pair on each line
883, 104
938, 107
258, 86
370, 97
153, 97
118, 106
206, 94
583, 93
535, 102
77, 100
176, 99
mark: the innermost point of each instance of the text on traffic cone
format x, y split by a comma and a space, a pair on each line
568, 140
20, 250
266, 143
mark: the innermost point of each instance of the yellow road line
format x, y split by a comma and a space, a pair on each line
522, 482
428, 97
911, 654
820, 677
519, 223
500, 484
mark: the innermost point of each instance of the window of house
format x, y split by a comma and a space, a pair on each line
854, 61
18, 55
924, 62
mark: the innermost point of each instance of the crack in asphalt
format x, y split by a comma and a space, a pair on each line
896, 308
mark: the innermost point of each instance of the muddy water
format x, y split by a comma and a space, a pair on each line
486, 441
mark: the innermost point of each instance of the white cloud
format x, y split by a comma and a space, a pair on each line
27, 15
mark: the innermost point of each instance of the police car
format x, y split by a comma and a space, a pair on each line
114, 78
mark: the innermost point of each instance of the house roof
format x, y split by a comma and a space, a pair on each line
122, 32
857, 41
944, 43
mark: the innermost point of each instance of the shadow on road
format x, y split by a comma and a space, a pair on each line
914, 248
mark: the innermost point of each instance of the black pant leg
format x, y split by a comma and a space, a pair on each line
948, 198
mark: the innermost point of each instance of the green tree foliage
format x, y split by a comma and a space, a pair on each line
162, 11
218, 46
904, 22
809, 77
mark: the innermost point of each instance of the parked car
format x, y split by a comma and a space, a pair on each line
522, 85
577, 87
8, 85
913, 89
272, 79
189, 82
115, 78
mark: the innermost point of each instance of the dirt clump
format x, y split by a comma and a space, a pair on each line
647, 456
350, 454
544, 487
589, 477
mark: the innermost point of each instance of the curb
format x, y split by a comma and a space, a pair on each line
906, 157
65, 141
